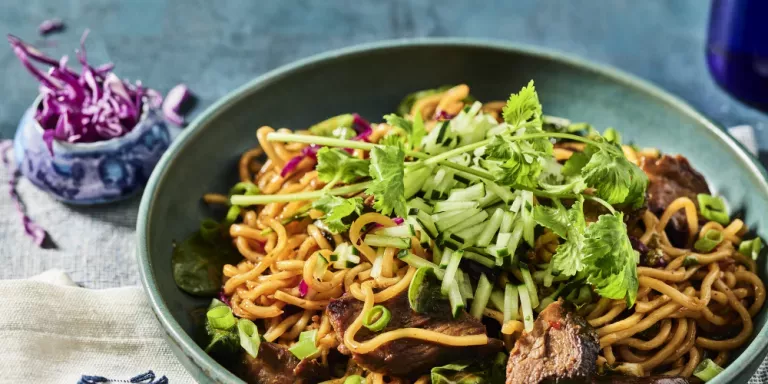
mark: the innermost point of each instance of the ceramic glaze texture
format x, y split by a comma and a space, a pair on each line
91, 173
371, 80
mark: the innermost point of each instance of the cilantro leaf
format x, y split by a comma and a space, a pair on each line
523, 108
518, 162
387, 170
568, 258
336, 209
612, 260
555, 218
414, 129
614, 177
574, 164
335, 165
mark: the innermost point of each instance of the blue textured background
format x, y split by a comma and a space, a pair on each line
217, 45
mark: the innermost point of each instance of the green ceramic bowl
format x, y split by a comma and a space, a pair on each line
370, 80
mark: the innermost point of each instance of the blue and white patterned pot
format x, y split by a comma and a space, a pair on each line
91, 173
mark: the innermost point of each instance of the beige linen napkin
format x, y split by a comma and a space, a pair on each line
55, 332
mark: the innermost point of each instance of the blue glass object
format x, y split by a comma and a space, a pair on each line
737, 49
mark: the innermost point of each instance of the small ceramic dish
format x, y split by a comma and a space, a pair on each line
91, 173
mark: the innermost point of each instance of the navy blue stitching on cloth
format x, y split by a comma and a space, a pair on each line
144, 378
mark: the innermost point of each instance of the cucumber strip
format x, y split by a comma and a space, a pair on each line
320, 267
447, 253
420, 204
415, 179
418, 262
489, 200
469, 235
465, 285
504, 193
455, 219
510, 303
442, 216
482, 295
378, 263
447, 205
404, 230
503, 239
480, 259
529, 284
473, 220
450, 271
437, 254
514, 239
427, 223
341, 253
525, 303
455, 298
529, 224
506, 222
499, 253
497, 299
490, 229
474, 192
375, 240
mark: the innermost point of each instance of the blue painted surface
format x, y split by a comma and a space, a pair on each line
215, 46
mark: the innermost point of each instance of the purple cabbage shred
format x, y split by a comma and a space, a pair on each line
223, 298
173, 102
94, 105
303, 288
50, 26
34, 231
359, 124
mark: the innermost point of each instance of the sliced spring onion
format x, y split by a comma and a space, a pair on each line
712, 208
210, 230
378, 263
455, 299
244, 188
377, 318
375, 240
305, 347
529, 284
354, 379
216, 303
249, 336
221, 317
751, 248
510, 303
482, 295
707, 370
232, 214
525, 304
490, 229
709, 241
450, 271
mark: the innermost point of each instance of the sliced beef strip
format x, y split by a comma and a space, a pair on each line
276, 365
561, 347
672, 177
409, 357
643, 380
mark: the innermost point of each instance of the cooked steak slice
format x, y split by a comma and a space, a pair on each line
409, 357
642, 380
276, 365
560, 347
670, 178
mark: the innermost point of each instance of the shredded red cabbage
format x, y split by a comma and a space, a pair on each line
303, 288
223, 298
359, 124
94, 105
443, 115
398, 220
36, 232
173, 102
50, 26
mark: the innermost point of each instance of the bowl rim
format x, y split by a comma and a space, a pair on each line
216, 371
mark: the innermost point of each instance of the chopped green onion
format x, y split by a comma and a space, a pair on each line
690, 260
751, 248
216, 303
232, 214
707, 370
354, 379
210, 230
249, 336
377, 318
244, 188
712, 208
709, 241
221, 317
305, 347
